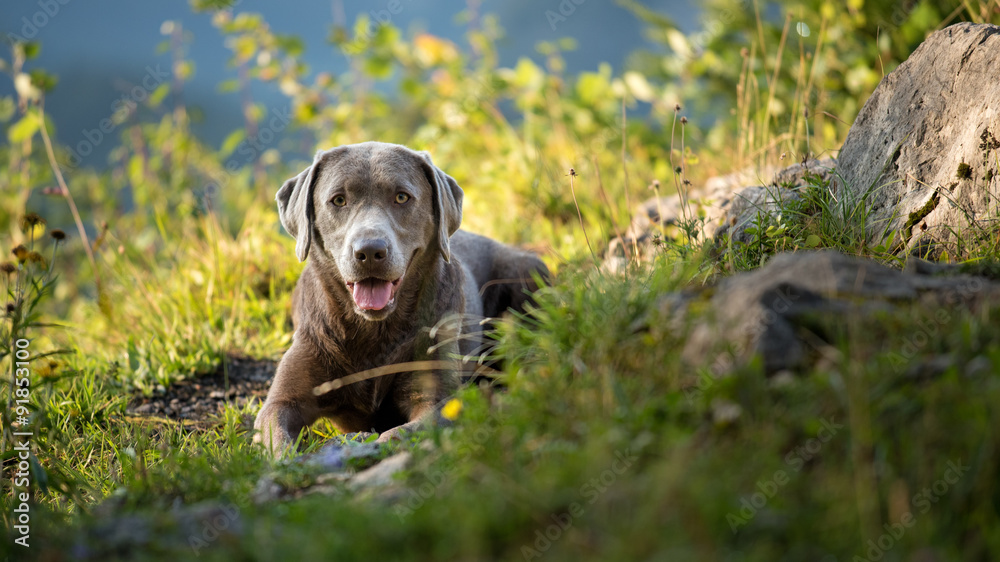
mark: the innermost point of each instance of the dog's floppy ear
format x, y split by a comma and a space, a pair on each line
295, 204
447, 203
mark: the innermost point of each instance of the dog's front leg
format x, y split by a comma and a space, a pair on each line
290, 406
278, 426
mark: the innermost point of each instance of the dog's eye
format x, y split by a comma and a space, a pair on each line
402, 198
339, 201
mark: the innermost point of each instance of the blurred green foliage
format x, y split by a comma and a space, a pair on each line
787, 77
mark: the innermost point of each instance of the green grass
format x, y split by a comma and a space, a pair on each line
594, 378
186, 307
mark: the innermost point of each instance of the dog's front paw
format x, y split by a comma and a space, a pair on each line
400, 433
271, 429
395, 434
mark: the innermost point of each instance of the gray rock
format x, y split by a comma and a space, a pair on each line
195, 528
724, 204
757, 205
335, 462
921, 157
268, 489
382, 473
335, 454
770, 312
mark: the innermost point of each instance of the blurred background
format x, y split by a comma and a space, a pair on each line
101, 49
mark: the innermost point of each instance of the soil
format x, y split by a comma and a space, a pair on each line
239, 381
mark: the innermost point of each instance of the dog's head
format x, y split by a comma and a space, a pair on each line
370, 210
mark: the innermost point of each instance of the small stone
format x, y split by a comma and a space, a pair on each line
725, 413
979, 366
381, 474
782, 378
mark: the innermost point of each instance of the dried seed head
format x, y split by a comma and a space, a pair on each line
35, 257
678, 170
572, 171
43, 371
11, 307
58, 234
30, 221
20, 252
677, 108
732, 221
687, 182
744, 52
684, 120
8, 268
656, 184
805, 112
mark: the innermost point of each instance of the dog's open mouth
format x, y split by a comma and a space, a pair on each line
374, 294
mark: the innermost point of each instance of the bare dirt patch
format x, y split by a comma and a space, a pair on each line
238, 381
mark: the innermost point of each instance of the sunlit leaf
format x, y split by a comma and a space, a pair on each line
232, 141
25, 87
432, 50
24, 128
7, 108
31, 49
158, 95
639, 86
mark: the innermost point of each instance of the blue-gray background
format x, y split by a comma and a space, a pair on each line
99, 49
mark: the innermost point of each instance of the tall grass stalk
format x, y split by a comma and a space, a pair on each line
579, 214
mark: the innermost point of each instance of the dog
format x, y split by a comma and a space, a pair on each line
388, 266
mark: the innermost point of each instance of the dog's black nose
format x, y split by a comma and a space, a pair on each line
370, 250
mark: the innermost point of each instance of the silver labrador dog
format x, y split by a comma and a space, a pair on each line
379, 224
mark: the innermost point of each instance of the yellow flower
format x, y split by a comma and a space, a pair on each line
432, 50
451, 410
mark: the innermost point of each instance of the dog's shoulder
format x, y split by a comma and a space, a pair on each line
504, 275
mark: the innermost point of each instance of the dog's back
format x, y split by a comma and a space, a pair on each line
502, 274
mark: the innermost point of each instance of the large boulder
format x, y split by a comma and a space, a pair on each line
921, 159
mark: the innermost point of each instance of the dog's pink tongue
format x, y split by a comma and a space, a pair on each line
372, 294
